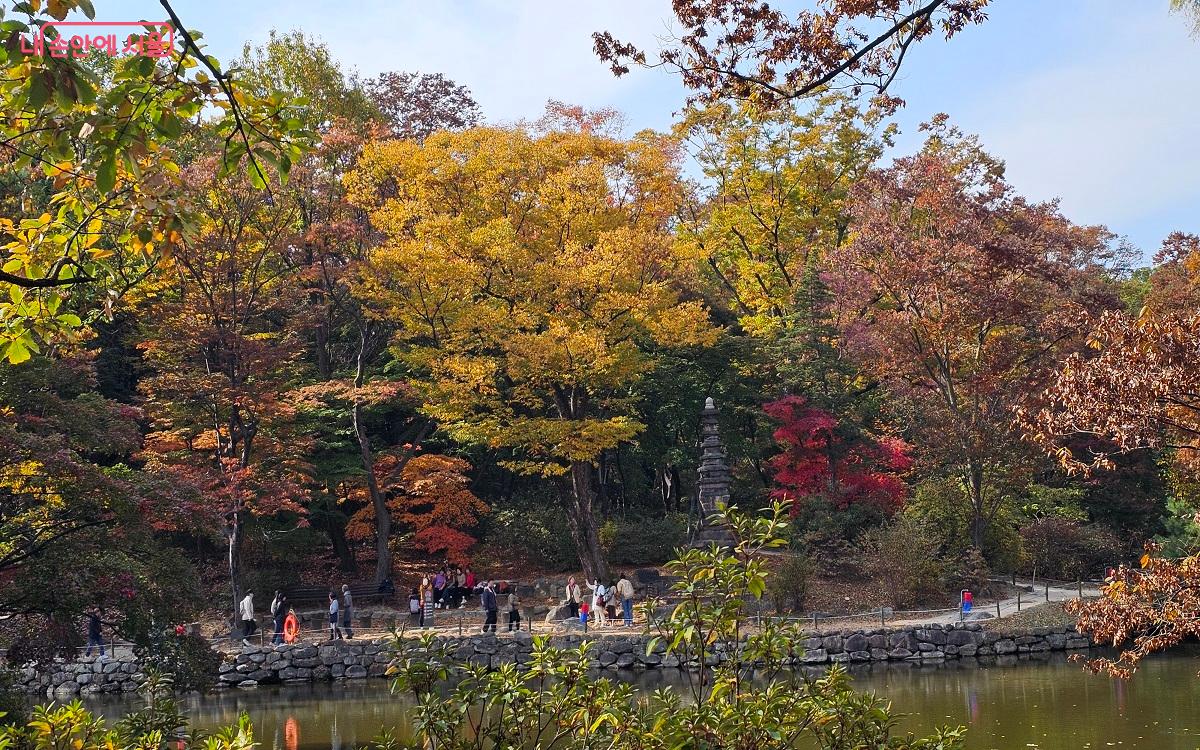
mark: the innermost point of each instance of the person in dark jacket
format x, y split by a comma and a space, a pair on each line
490, 607
514, 610
95, 633
279, 613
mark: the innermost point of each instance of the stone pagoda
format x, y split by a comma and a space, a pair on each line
713, 486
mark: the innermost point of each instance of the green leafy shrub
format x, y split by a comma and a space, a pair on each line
533, 529
189, 659
903, 557
1056, 547
642, 540
833, 556
13, 708
788, 584
944, 506
158, 725
967, 571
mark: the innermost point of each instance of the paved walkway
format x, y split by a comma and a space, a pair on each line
1009, 607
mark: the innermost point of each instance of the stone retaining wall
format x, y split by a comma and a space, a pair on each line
360, 659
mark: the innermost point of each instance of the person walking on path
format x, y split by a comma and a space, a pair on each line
470, 584
347, 610
625, 594
426, 603
490, 607
598, 593
279, 613
574, 596
95, 633
249, 626
514, 610
334, 632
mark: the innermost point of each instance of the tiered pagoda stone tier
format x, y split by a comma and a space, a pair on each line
713, 487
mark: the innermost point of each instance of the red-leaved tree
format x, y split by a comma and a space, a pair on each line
822, 458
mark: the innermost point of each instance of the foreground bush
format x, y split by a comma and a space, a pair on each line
555, 702
159, 724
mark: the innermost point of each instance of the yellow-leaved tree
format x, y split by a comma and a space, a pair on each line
532, 275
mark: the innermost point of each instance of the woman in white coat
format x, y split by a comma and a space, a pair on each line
597, 610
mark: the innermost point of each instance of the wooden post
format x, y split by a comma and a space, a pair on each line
814, 622
997, 610
1047, 592
1080, 582
882, 618
1018, 601
460, 624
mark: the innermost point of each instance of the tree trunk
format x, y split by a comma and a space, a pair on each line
578, 498
383, 518
975, 495
235, 565
336, 531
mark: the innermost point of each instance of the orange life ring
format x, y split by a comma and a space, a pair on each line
291, 628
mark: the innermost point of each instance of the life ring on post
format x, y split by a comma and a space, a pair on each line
291, 628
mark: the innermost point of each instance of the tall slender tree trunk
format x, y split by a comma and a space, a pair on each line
236, 537
383, 518
974, 483
578, 497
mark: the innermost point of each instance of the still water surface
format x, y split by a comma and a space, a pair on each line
1052, 705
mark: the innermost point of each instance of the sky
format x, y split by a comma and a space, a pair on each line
1095, 103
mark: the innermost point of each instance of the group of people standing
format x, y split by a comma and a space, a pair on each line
341, 611
450, 589
604, 601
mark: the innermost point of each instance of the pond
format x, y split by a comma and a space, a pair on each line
1048, 704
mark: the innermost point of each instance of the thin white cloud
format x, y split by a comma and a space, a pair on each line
1113, 134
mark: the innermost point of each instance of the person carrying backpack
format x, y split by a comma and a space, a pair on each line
625, 594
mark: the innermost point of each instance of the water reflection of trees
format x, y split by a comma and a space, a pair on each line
1011, 699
